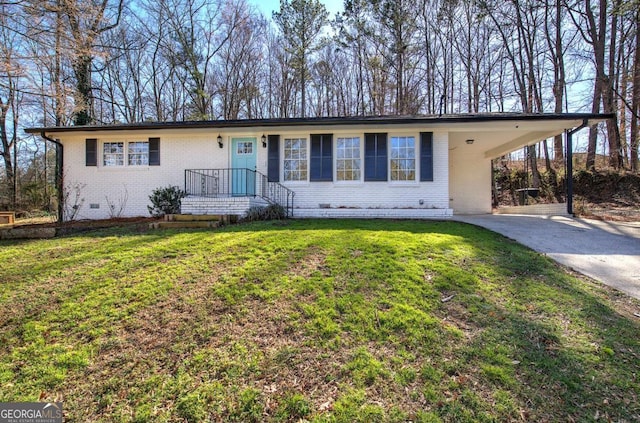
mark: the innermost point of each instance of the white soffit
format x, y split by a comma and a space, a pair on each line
524, 140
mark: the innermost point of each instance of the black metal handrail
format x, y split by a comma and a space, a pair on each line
237, 182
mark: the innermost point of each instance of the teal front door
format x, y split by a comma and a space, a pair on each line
243, 162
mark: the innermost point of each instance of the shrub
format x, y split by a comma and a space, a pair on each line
270, 212
275, 212
165, 201
254, 213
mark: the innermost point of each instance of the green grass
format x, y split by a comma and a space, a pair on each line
324, 321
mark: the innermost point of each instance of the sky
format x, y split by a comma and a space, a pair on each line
268, 6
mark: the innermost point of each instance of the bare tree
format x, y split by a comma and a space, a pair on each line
634, 139
239, 63
10, 73
351, 37
198, 30
554, 35
301, 22
592, 23
522, 48
282, 83
122, 84
396, 19
85, 21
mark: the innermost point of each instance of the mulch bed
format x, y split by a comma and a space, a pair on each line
75, 226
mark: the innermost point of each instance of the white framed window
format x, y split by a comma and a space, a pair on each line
348, 161
121, 153
138, 153
295, 159
113, 154
402, 158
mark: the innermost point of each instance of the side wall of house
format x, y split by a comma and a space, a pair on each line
469, 175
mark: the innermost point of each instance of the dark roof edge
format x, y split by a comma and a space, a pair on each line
335, 121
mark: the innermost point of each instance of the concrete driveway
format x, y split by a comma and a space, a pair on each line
606, 251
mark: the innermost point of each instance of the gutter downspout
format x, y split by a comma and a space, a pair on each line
569, 158
59, 181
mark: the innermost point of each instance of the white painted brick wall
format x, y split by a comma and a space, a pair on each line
470, 175
310, 195
179, 150
225, 206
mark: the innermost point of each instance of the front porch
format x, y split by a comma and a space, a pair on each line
231, 192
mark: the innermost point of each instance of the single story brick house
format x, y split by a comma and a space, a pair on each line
398, 167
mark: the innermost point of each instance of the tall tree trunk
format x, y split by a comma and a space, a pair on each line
57, 72
596, 29
609, 100
7, 145
533, 164
624, 146
559, 80
84, 96
634, 140
547, 159
593, 130
624, 63
303, 87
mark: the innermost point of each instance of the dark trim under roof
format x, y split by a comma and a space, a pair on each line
328, 121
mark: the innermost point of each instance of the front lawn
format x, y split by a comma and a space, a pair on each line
327, 321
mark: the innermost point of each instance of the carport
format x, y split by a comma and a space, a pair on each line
471, 150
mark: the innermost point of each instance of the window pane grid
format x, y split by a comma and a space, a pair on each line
138, 153
348, 159
244, 148
402, 161
295, 159
113, 154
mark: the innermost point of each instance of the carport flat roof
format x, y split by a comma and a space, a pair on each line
460, 120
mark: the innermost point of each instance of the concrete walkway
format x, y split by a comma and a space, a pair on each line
606, 251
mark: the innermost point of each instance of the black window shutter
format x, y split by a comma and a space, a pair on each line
375, 157
154, 151
91, 152
426, 156
321, 157
273, 167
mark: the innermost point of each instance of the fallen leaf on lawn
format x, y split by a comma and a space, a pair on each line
325, 406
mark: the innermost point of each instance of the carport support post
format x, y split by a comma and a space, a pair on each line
569, 158
569, 175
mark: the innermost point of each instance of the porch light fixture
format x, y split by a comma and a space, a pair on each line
219, 141
264, 141
469, 141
